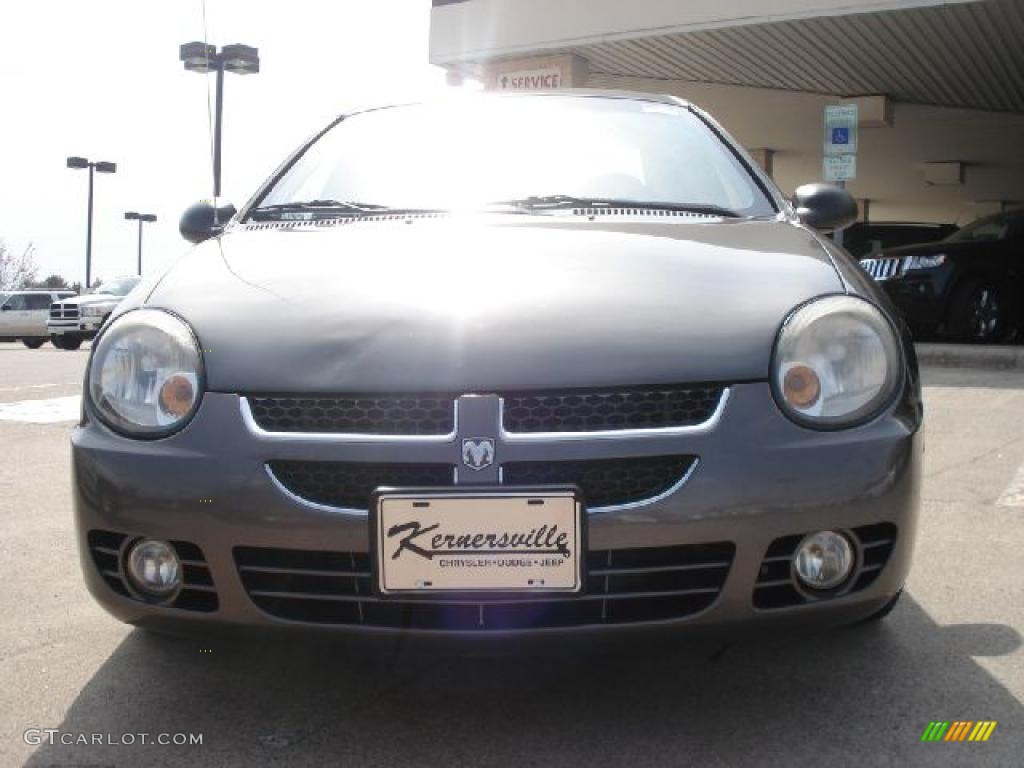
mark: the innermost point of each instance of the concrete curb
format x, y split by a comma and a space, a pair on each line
971, 356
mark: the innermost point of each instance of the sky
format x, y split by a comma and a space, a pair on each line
102, 79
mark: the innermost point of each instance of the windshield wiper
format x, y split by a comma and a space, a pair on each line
539, 203
316, 206
330, 208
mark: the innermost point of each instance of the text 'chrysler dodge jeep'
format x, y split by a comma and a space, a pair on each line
505, 363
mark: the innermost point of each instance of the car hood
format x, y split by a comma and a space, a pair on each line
92, 298
924, 249
492, 303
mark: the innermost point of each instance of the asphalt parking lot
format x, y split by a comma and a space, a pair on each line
861, 696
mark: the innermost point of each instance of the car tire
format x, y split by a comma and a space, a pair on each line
71, 343
978, 313
33, 343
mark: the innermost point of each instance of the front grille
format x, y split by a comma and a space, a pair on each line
883, 269
655, 407
356, 414
197, 592
623, 586
604, 482
349, 484
776, 585
63, 311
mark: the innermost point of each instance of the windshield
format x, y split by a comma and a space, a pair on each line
120, 286
989, 228
479, 151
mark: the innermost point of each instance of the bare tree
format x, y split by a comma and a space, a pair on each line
16, 269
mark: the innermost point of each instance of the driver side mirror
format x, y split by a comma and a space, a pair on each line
825, 207
202, 221
5, 308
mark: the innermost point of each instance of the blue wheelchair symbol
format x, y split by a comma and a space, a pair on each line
841, 135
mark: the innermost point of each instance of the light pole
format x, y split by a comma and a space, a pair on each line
203, 58
100, 166
140, 217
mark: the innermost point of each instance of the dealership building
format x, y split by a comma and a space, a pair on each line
938, 86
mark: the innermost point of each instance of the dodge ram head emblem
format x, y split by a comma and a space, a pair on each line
478, 452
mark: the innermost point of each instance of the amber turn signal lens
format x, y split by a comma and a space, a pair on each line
177, 396
801, 386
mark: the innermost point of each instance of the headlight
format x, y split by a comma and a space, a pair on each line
146, 374
837, 363
924, 262
97, 310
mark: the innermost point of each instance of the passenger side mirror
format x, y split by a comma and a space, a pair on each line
825, 206
202, 221
5, 308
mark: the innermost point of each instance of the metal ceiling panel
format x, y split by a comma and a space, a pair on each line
960, 55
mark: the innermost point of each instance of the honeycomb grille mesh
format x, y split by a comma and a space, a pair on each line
349, 484
613, 409
357, 414
604, 482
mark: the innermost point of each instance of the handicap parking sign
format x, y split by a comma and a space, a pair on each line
841, 129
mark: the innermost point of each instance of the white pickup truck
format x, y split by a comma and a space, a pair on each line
23, 315
78, 318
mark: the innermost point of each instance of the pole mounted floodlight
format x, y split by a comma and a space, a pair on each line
100, 166
141, 218
198, 57
240, 59
236, 58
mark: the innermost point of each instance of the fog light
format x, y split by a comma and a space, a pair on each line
824, 560
154, 568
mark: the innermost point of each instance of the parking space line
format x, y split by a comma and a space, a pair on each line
1013, 496
49, 411
28, 386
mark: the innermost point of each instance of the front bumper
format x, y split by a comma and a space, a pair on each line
760, 478
87, 327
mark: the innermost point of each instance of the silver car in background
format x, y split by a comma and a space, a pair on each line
79, 318
23, 315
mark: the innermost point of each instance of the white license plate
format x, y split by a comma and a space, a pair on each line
472, 542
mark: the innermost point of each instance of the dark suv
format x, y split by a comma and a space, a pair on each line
865, 239
967, 287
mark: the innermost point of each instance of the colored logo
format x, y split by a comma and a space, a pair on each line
958, 730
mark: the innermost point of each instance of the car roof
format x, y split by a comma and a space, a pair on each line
464, 96
900, 224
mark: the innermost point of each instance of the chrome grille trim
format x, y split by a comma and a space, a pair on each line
357, 512
612, 434
512, 437
341, 437
651, 499
884, 268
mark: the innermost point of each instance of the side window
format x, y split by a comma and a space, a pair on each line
16, 302
38, 301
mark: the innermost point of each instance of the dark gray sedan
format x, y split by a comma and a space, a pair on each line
488, 364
